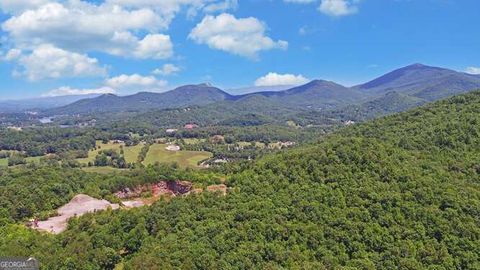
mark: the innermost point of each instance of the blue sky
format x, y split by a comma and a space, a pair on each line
56, 47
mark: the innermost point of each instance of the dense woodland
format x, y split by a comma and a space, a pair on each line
401, 192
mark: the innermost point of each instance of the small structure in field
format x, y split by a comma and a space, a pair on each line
171, 130
220, 161
172, 147
15, 128
190, 126
286, 144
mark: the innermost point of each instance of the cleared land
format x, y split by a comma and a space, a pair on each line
158, 153
131, 152
193, 140
78, 206
4, 161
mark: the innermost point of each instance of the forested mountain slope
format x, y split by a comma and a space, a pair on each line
422, 81
184, 96
401, 192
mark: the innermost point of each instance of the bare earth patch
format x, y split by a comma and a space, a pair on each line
78, 206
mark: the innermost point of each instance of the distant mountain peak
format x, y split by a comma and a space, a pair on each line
416, 65
107, 95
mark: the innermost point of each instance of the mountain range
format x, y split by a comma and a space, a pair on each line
398, 90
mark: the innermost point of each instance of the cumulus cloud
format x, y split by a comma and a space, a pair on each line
68, 91
473, 70
13, 54
83, 27
155, 46
49, 62
338, 7
244, 37
137, 82
17, 6
167, 69
221, 6
275, 79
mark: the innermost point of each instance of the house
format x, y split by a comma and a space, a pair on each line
173, 147
190, 126
171, 130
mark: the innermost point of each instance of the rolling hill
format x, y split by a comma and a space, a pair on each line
317, 94
14, 106
411, 85
400, 192
184, 96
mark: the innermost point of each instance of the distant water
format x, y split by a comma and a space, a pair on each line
46, 120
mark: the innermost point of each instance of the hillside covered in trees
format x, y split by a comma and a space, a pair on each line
401, 192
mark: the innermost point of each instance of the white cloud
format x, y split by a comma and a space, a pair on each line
84, 27
68, 91
136, 82
168, 8
155, 46
221, 6
338, 7
473, 70
275, 79
13, 54
244, 37
49, 62
167, 69
16, 6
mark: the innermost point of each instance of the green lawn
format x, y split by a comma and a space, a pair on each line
33, 159
158, 153
193, 140
4, 161
131, 152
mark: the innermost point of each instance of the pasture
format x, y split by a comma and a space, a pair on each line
158, 153
130, 152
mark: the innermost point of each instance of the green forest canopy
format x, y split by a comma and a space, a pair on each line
401, 192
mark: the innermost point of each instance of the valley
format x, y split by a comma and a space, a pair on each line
350, 198
352, 174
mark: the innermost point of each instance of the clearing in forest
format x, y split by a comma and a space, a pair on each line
159, 153
130, 152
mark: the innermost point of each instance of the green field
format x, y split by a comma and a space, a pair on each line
131, 153
158, 153
4, 161
257, 144
193, 140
